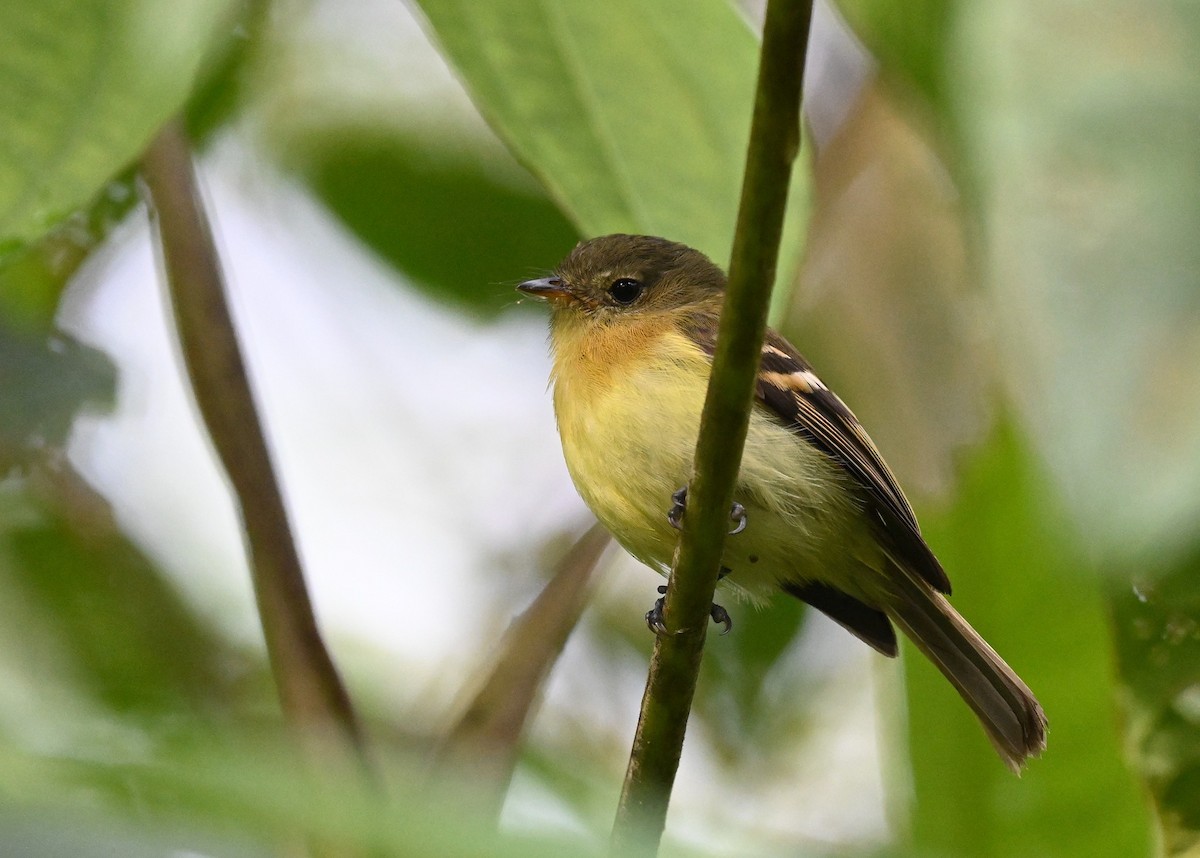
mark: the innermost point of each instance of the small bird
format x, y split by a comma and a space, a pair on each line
819, 514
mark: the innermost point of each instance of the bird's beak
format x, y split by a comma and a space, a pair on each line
549, 288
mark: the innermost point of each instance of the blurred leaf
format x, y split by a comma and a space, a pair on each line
1158, 641
43, 384
220, 89
1022, 584
1081, 120
242, 794
883, 303
634, 115
730, 698
909, 37
83, 86
55, 833
33, 277
125, 634
582, 773
450, 222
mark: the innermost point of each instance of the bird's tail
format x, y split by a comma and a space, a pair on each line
1007, 709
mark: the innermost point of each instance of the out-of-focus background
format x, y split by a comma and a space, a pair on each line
991, 253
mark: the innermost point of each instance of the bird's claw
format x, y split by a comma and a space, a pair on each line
737, 512
721, 617
678, 508
654, 616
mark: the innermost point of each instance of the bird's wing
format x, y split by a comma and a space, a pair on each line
788, 388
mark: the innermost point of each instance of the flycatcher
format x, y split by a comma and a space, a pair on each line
820, 515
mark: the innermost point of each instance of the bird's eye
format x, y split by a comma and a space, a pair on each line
625, 290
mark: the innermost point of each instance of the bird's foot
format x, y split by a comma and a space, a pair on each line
720, 616
678, 508
737, 512
654, 616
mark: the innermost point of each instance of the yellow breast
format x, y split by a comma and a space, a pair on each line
628, 408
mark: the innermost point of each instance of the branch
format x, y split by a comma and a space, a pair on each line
485, 742
314, 701
774, 144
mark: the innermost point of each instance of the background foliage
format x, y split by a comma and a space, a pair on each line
998, 272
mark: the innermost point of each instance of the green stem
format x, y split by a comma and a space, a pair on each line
675, 665
314, 701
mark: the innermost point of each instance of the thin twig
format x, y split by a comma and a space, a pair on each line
314, 701
486, 740
774, 144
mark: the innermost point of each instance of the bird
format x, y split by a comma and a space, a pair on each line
819, 515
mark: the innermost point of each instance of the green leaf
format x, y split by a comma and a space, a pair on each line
84, 84
221, 87
1020, 581
909, 38
43, 385
635, 116
43, 833
244, 794
454, 224
1158, 644
33, 277
75, 586
1087, 152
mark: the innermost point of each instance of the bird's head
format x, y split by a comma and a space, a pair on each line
619, 277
